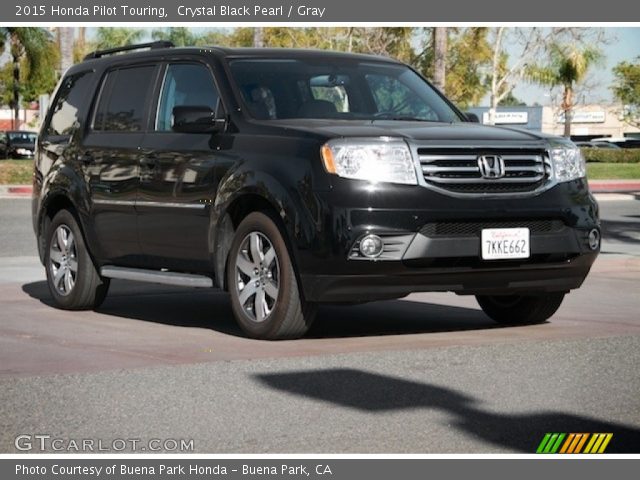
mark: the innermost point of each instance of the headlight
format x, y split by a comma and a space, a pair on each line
568, 163
23, 151
375, 160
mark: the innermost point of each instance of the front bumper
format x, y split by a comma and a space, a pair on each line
432, 260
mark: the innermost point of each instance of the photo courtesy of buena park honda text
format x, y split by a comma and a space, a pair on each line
291, 239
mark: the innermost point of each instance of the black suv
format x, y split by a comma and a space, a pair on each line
291, 178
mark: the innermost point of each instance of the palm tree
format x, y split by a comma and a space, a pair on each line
66, 44
30, 44
111, 37
568, 66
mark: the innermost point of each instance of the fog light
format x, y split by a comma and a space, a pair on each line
371, 246
594, 239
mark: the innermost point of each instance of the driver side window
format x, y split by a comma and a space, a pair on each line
392, 96
185, 85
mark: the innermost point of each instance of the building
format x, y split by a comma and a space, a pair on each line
589, 121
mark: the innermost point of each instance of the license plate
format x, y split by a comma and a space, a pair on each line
505, 243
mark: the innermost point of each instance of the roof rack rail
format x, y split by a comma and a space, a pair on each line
126, 48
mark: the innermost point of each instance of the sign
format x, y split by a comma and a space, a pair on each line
504, 118
598, 116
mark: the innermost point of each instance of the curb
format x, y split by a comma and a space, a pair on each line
596, 186
614, 186
16, 190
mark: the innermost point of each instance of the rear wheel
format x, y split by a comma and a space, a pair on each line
520, 309
72, 277
265, 297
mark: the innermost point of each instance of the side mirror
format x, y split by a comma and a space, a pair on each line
472, 117
196, 119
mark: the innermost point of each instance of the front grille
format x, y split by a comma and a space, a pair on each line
458, 170
474, 228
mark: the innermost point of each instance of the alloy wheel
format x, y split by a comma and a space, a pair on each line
258, 276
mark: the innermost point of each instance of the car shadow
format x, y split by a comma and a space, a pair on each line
198, 308
376, 393
621, 231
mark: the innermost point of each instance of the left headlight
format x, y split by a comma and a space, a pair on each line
374, 160
568, 163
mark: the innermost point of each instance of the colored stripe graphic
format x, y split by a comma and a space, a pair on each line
574, 443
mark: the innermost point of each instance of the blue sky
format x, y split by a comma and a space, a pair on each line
624, 45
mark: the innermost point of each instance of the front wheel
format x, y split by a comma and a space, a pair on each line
265, 296
520, 309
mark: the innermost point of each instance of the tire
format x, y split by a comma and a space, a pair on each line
265, 296
72, 277
520, 310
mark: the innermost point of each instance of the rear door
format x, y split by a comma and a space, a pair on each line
110, 154
177, 174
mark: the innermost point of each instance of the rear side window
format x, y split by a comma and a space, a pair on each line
72, 94
123, 100
185, 85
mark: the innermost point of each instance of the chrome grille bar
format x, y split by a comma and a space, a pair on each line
525, 171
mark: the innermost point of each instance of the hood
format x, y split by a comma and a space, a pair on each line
410, 130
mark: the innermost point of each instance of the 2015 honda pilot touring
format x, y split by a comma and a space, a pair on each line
292, 178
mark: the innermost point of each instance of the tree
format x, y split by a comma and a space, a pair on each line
28, 47
626, 88
468, 57
440, 37
503, 76
111, 37
65, 42
179, 36
567, 66
510, 100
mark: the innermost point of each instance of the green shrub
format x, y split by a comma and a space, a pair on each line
606, 155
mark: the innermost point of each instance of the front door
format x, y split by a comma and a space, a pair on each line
177, 175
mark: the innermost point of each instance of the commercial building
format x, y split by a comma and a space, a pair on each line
589, 121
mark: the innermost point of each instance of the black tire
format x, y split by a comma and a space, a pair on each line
290, 316
520, 310
89, 289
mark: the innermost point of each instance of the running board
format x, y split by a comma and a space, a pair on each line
155, 276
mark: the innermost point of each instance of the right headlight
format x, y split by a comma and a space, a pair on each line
568, 163
380, 159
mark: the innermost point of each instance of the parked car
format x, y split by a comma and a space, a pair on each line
293, 178
604, 145
619, 142
17, 144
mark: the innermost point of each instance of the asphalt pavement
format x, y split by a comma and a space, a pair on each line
429, 373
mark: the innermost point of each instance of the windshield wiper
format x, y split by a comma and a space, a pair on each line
406, 118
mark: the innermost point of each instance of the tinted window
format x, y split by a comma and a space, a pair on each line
22, 137
337, 88
73, 93
123, 99
185, 85
394, 98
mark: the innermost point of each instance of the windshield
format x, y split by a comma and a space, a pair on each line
22, 137
345, 89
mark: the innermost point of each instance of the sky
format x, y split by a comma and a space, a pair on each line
624, 46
